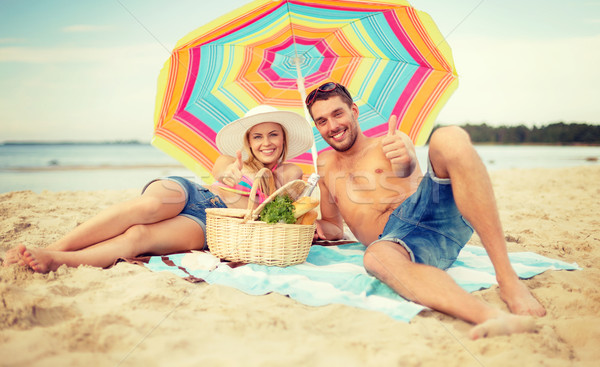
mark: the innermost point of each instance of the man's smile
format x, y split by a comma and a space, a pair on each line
339, 136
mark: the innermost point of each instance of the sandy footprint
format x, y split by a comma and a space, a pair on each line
504, 325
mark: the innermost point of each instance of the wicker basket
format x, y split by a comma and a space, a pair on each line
235, 234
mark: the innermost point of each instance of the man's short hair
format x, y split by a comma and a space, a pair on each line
326, 91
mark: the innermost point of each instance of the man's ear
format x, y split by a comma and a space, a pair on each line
355, 110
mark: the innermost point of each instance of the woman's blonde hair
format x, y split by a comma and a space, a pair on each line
266, 184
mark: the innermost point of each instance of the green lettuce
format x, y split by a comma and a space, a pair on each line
279, 210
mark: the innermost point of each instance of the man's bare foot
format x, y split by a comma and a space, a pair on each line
504, 324
40, 260
519, 299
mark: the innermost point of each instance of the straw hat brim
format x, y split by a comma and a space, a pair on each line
299, 133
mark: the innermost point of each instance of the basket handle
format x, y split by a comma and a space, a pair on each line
252, 196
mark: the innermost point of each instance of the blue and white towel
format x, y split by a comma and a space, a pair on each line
335, 274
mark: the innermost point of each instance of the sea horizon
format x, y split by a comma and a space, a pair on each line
141, 142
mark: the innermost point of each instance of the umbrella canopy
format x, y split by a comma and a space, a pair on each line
391, 57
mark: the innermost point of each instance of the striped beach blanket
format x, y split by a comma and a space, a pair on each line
335, 275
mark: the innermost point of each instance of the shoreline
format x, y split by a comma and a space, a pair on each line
537, 144
127, 177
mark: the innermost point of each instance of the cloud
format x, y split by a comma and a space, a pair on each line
109, 94
84, 28
6, 41
508, 81
71, 55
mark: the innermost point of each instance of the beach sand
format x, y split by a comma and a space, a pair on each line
129, 316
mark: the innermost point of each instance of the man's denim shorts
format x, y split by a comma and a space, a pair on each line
197, 200
428, 224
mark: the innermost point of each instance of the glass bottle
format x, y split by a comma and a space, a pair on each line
304, 206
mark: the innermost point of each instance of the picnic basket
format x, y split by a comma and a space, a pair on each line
236, 235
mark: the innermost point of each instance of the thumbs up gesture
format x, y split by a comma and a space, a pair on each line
399, 150
233, 172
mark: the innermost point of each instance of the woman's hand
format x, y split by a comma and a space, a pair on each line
233, 172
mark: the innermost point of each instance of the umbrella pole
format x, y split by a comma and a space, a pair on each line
302, 90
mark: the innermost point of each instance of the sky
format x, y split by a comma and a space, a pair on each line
87, 70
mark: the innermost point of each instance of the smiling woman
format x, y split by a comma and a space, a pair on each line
266, 141
268, 138
177, 205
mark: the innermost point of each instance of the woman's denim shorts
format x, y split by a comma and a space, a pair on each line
428, 224
197, 200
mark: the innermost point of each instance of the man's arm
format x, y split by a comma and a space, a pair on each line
331, 224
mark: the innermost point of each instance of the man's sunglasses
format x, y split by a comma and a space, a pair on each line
325, 88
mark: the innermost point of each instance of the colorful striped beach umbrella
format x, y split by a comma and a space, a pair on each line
390, 56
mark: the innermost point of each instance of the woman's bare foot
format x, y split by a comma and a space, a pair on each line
11, 257
504, 324
40, 260
519, 299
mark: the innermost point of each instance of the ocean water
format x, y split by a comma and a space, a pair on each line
59, 167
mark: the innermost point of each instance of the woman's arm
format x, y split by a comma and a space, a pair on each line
228, 169
287, 172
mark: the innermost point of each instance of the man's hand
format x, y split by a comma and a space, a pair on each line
319, 235
326, 230
395, 149
233, 172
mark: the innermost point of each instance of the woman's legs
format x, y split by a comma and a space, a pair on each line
172, 235
161, 200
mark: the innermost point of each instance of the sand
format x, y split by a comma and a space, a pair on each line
129, 316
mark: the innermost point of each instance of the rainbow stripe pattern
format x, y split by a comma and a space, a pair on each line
390, 56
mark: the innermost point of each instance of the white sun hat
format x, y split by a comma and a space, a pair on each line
299, 133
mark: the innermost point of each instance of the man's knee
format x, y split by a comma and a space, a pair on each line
370, 258
448, 146
449, 138
377, 253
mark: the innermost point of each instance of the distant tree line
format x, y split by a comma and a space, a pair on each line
556, 133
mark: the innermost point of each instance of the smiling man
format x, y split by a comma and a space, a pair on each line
414, 224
